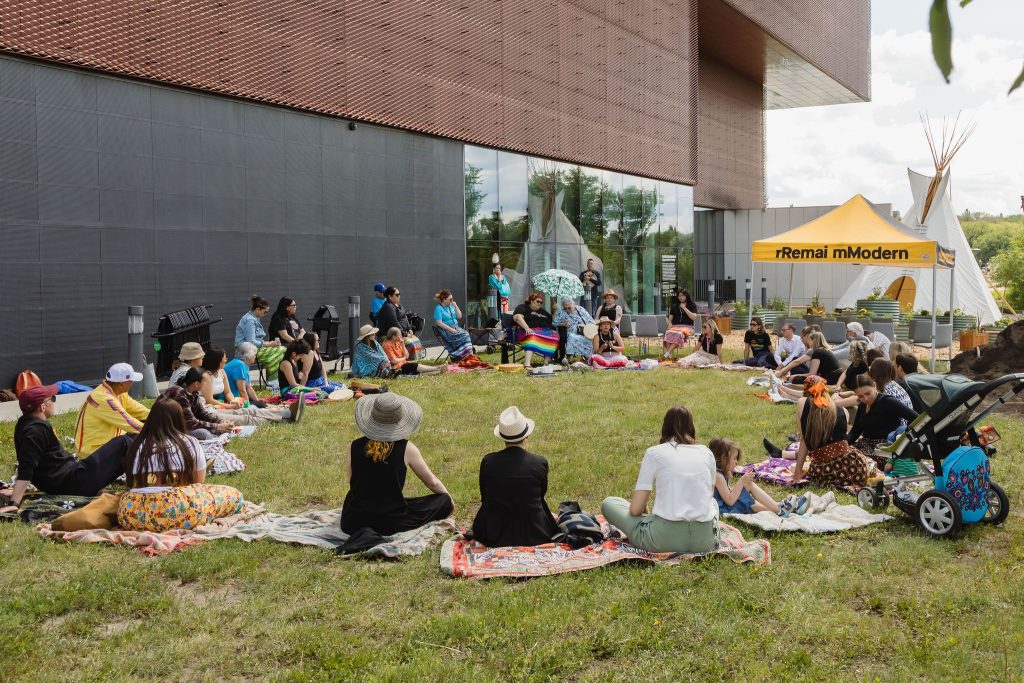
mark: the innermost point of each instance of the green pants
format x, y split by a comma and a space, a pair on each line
652, 533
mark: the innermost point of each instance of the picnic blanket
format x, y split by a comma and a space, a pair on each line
468, 559
322, 528
43, 507
773, 470
824, 515
224, 461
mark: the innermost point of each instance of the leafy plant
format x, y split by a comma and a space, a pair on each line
777, 304
941, 28
741, 308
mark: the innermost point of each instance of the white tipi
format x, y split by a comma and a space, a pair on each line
932, 215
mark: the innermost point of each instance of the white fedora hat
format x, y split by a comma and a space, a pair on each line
513, 426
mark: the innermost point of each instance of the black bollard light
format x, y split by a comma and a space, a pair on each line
711, 298
764, 292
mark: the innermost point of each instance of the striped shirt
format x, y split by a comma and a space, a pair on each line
105, 415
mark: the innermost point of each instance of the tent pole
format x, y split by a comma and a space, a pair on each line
952, 274
935, 313
789, 301
750, 294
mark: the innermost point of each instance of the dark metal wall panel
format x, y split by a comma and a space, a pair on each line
731, 152
179, 198
603, 82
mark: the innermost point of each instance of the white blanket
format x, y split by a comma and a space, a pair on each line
824, 515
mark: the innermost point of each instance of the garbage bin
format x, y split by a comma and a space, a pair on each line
175, 328
325, 324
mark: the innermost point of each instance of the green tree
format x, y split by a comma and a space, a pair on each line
1008, 270
474, 195
991, 235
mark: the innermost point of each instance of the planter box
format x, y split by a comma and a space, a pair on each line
970, 340
960, 322
725, 324
902, 332
741, 321
880, 307
768, 317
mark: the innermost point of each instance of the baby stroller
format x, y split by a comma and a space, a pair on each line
947, 434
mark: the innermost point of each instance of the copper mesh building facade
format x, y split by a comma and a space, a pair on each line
135, 125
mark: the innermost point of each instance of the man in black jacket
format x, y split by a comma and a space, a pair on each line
43, 462
513, 483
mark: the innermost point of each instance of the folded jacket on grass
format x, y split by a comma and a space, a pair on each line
823, 515
468, 559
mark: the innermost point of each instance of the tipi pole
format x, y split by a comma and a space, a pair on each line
935, 313
952, 275
789, 301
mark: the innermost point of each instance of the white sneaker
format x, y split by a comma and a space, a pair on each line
274, 385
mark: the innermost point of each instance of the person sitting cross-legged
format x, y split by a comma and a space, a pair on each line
377, 465
313, 366
368, 358
43, 462
166, 470
513, 483
109, 411
191, 355
684, 516
609, 349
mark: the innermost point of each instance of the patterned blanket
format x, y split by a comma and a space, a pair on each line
320, 528
468, 559
776, 471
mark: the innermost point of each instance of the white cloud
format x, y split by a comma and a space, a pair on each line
825, 155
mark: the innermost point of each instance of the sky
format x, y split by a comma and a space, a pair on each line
825, 155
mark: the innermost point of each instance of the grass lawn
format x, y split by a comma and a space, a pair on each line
878, 603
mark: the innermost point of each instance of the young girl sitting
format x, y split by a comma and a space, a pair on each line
746, 497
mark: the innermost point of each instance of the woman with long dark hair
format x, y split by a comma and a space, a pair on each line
283, 325
313, 366
684, 516
166, 473
681, 319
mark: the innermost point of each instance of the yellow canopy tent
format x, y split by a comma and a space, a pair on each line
855, 233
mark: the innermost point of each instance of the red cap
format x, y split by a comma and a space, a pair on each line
33, 397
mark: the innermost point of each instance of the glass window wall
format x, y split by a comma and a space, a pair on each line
533, 214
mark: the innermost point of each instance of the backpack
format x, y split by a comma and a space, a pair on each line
25, 380
578, 528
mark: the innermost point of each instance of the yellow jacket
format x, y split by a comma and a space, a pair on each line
105, 415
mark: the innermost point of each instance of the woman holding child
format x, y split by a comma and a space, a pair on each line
684, 515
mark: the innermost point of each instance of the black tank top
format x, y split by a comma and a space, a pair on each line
375, 497
281, 379
606, 312
315, 372
604, 340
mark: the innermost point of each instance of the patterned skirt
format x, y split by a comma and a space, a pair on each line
179, 507
610, 360
678, 334
458, 344
838, 464
541, 340
867, 446
412, 343
698, 359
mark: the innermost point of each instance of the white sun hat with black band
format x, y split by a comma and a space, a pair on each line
513, 426
387, 417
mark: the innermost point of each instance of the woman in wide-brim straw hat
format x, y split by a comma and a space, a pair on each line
610, 308
377, 464
513, 483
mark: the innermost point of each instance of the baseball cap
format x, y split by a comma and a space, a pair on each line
379, 287
191, 351
33, 397
123, 372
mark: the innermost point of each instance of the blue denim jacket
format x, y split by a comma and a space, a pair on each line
250, 329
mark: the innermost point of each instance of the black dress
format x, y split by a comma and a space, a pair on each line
375, 499
513, 511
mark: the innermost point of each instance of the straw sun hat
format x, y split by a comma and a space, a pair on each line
367, 330
387, 417
513, 426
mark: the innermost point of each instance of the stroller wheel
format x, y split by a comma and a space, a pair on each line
938, 515
998, 505
870, 500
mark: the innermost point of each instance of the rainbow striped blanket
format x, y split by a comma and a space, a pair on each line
542, 340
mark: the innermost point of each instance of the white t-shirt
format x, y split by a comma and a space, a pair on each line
176, 461
683, 476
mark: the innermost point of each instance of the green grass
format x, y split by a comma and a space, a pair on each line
877, 603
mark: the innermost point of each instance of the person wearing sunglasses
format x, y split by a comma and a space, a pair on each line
757, 346
393, 315
46, 464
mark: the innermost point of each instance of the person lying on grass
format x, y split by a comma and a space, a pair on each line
746, 497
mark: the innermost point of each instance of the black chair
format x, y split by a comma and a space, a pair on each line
508, 344
446, 356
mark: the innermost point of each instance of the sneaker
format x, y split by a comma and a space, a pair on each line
801, 504
259, 404
786, 506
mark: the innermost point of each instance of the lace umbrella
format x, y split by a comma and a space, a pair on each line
558, 283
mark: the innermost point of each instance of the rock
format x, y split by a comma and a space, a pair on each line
1003, 356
